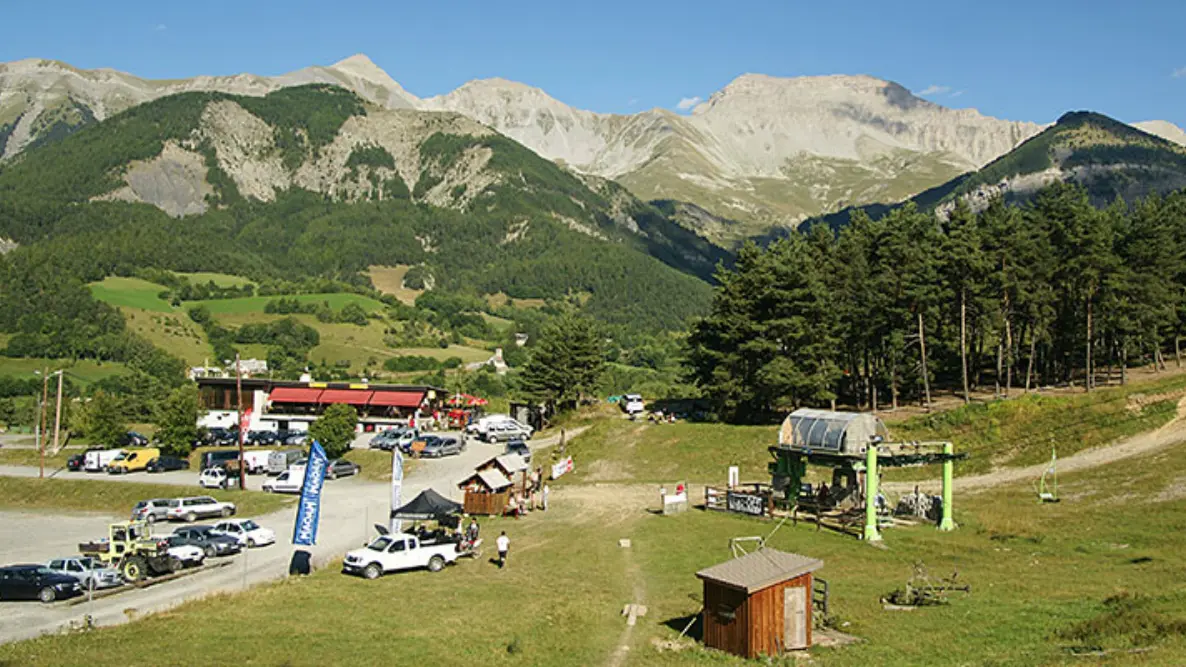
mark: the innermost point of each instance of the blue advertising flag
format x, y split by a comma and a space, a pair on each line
309, 509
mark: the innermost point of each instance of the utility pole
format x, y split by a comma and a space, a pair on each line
239, 396
58, 413
44, 400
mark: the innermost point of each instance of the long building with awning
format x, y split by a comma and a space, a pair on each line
292, 406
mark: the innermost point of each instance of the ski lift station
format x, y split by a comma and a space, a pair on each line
851, 444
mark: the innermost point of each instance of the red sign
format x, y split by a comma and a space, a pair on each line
244, 422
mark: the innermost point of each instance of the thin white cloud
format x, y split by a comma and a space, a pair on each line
633, 101
160, 27
957, 93
933, 89
687, 103
1179, 73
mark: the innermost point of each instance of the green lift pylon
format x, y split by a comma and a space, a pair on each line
1048, 483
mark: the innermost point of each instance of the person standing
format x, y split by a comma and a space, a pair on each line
504, 545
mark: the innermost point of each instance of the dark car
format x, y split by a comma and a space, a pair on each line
36, 582
262, 438
519, 447
76, 462
212, 544
132, 439
342, 468
166, 463
218, 437
438, 447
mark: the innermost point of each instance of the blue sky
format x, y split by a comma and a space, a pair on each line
1019, 60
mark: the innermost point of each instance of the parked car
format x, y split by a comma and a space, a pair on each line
132, 439
219, 436
297, 439
279, 461
286, 482
438, 447
406, 438
405, 446
196, 507
91, 573
77, 461
260, 438
247, 532
518, 447
187, 555
218, 458
151, 511
342, 468
506, 431
215, 478
36, 582
210, 543
632, 404
385, 440
390, 553
97, 460
480, 425
167, 463
132, 460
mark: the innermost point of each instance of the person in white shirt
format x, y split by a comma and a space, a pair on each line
504, 545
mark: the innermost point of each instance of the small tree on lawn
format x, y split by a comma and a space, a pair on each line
177, 420
566, 363
335, 429
102, 419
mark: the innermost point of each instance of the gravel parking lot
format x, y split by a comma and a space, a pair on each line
349, 509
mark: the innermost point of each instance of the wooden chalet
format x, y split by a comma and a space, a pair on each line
486, 492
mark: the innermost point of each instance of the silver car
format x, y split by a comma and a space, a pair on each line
151, 511
89, 572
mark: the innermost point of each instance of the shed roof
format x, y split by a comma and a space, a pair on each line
760, 569
827, 430
491, 478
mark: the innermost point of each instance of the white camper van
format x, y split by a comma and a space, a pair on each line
99, 460
633, 404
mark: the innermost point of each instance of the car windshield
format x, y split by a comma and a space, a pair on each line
379, 544
249, 525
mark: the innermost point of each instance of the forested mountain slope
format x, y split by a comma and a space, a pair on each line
311, 181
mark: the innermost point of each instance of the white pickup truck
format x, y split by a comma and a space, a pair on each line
391, 553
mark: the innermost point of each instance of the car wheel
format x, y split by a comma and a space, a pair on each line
151, 518
372, 571
250, 543
436, 564
174, 564
208, 550
226, 511
191, 517
332, 475
47, 595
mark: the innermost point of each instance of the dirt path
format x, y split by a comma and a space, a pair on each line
1171, 433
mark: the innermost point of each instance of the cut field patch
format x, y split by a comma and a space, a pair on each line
390, 280
257, 304
219, 279
174, 332
132, 292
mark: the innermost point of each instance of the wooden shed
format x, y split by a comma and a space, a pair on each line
486, 492
759, 604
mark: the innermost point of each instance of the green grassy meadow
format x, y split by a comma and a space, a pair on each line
77, 494
85, 371
220, 279
131, 292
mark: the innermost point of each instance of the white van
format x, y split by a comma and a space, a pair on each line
98, 461
256, 462
482, 425
633, 404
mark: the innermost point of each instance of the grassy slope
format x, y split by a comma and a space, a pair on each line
1035, 571
1022, 431
132, 292
390, 280
117, 497
174, 332
83, 370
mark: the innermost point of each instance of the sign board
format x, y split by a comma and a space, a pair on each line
734, 476
674, 503
397, 482
244, 423
562, 467
746, 503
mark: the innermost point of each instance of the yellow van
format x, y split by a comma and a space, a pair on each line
132, 460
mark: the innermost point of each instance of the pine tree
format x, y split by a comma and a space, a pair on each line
565, 364
965, 268
177, 420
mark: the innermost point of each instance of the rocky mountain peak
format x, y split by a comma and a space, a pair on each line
363, 67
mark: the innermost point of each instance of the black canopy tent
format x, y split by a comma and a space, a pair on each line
429, 505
